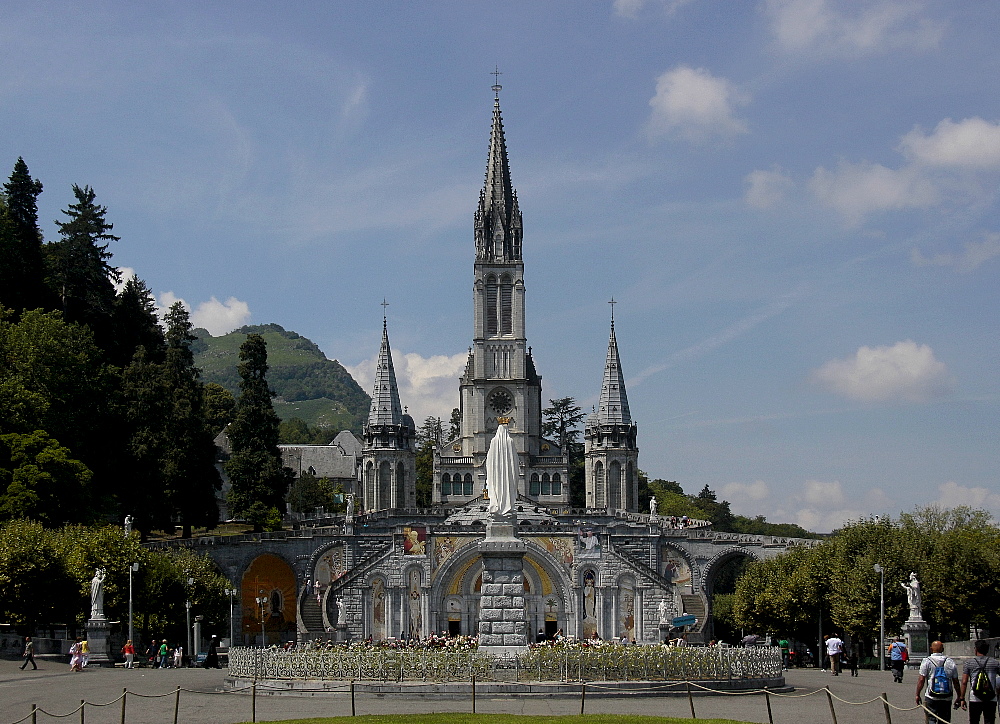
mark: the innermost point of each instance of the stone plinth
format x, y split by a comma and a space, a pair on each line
98, 631
342, 633
916, 632
503, 622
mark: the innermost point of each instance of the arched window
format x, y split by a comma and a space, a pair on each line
599, 484
491, 305
369, 491
556, 484
615, 485
630, 501
506, 305
446, 484
468, 485
533, 487
384, 484
400, 485
546, 485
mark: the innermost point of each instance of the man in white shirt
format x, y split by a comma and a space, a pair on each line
834, 648
941, 676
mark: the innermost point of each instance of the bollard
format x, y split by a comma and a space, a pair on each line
691, 700
83, 706
767, 698
583, 696
829, 698
177, 702
124, 694
353, 712
253, 702
473, 693
34, 714
885, 705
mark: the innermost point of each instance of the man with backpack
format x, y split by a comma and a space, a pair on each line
898, 656
941, 676
979, 684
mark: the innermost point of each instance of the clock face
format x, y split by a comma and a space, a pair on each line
501, 402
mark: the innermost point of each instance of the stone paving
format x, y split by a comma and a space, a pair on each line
54, 688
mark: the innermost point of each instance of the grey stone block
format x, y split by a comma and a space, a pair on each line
487, 602
491, 614
514, 640
520, 627
513, 614
503, 627
510, 589
502, 601
485, 627
517, 601
492, 639
494, 589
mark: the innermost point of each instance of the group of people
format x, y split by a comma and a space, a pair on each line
975, 691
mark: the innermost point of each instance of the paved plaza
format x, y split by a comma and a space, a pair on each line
57, 690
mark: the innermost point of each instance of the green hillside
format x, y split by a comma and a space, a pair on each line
307, 384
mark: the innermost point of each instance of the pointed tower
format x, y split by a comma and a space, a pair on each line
500, 380
388, 458
611, 452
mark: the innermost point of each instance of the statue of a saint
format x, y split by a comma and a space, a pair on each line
652, 507
664, 611
129, 520
97, 595
913, 597
502, 471
341, 611
350, 508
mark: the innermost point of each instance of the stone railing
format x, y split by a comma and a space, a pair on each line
607, 662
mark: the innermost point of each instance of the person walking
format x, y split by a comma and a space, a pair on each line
981, 697
29, 654
85, 652
129, 650
941, 676
164, 653
834, 648
75, 656
212, 657
898, 656
785, 653
178, 656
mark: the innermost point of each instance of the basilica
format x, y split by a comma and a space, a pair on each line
391, 570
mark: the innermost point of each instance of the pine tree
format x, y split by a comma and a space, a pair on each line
259, 482
78, 271
136, 324
21, 268
189, 470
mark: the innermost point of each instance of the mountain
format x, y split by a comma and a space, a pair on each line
307, 385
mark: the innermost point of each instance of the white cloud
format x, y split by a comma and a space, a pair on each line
632, 8
820, 25
974, 255
766, 189
855, 190
952, 495
217, 317
971, 143
125, 273
904, 371
428, 386
816, 505
695, 105
741, 492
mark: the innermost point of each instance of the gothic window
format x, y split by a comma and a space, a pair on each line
369, 492
615, 485
533, 487
491, 305
384, 485
446, 484
546, 485
468, 485
400, 485
506, 306
556, 484
630, 501
599, 484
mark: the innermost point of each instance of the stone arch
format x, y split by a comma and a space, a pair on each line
589, 579
378, 606
269, 577
708, 575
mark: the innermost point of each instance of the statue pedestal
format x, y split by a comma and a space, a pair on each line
98, 631
341, 636
665, 629
503, 621
916, 632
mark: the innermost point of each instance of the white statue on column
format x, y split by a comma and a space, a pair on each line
502, 471
664, 611
913, 597
97, 595
350, 508
652, 507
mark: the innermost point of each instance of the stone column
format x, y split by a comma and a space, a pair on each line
503, 621
98, 631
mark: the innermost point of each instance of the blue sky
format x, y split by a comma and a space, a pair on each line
794, 201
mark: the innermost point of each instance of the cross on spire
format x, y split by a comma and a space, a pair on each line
496, 80
384, 305
612, 303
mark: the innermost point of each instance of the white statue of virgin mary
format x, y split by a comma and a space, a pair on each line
502, 471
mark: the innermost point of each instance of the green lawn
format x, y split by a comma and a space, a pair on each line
499, 719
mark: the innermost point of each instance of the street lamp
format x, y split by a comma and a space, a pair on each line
134, 568
881, 614
187, 605
231, 592
261, 600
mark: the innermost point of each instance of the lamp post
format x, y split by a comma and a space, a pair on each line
261, 600
187, 605
881, 616
231, 592
134, 568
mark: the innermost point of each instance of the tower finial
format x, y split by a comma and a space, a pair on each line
384, 305
496, 81
612, 303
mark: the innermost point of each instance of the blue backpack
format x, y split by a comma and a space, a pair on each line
940, 681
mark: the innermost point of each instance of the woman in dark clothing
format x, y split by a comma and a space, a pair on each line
212, 657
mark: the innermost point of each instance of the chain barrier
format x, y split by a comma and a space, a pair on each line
679, 687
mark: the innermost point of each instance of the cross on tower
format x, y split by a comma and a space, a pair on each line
496, 80
612, 303
384, 305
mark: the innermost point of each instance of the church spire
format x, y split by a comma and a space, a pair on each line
613, 405
385, 409
498, 218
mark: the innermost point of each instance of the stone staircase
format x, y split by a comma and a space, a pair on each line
312, 614
694, 604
